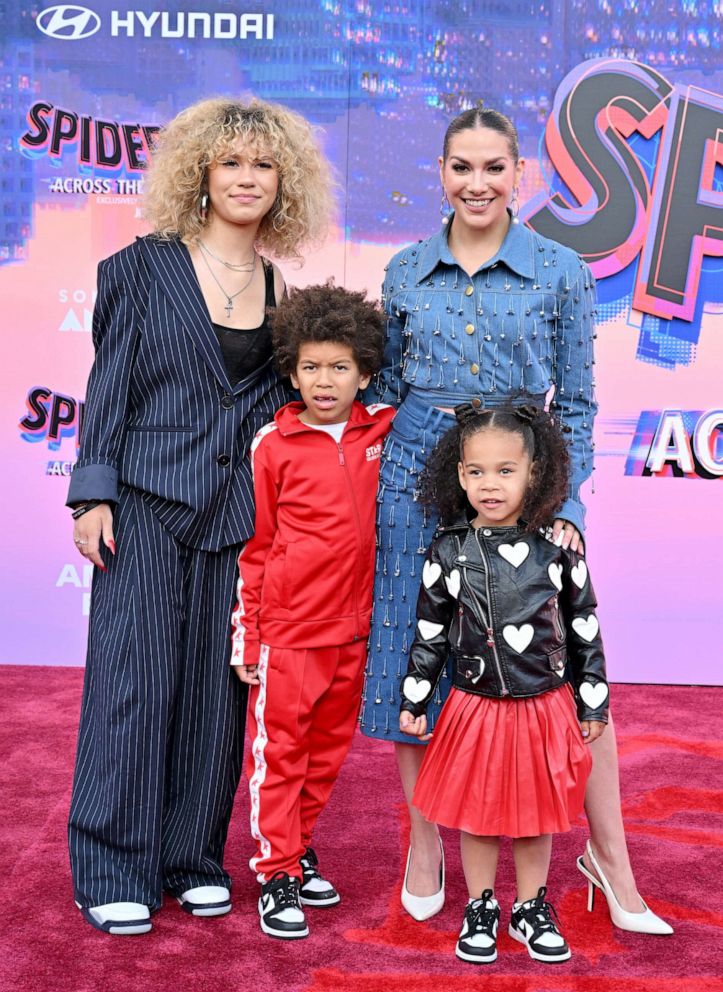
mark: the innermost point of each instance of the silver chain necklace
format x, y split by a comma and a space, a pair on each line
230, 297
241, 267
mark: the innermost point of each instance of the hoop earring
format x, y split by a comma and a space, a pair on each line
514, 203
203, 208
444, 207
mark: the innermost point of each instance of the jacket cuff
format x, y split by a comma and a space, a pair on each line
573, 511
585, 713
244, 652
416, 709
592, 688
93, 482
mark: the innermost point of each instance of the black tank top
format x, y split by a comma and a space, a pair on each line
244, 351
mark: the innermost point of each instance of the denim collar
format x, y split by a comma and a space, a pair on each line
516, 251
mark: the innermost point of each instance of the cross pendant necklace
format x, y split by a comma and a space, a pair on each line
228, 307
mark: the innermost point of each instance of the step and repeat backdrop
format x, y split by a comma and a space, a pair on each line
620, 113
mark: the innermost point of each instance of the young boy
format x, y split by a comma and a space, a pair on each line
305, 587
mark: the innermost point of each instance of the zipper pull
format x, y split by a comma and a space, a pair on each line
490, 637
341, 454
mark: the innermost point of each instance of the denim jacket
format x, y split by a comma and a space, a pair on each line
522, 323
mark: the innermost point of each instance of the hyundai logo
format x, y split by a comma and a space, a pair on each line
68, 22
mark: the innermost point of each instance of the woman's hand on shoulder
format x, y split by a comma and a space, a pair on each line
88, 531
566, 535
415, 726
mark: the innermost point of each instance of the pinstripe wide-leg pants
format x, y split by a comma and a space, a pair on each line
162, 720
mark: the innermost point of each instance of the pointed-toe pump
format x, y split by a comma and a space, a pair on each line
645, 922
423, 907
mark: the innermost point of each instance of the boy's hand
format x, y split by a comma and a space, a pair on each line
414, 726
248, 674
591, 730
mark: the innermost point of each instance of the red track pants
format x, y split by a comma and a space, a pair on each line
301, 722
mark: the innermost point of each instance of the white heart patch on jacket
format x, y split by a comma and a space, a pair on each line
586, 627
416, 691
518, 638
453, 581
554, 570
593, 695
430, 573
579, 574
515, 554
428, 630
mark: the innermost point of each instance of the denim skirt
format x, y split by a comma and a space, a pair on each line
404, 530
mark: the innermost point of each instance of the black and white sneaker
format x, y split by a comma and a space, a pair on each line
478, 937
533, 926
315, 889
280, 913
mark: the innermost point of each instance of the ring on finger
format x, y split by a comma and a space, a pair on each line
79, 542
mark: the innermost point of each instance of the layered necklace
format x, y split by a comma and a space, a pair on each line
249, 267
236, 267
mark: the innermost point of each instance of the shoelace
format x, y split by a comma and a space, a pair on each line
285, 891
480, 916
309, 862
540, 913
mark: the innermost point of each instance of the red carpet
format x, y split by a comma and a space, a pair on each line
671, 761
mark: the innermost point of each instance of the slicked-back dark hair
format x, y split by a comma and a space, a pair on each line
480, 117
328, 313
542, 439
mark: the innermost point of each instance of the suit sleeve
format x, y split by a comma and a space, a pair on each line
245, 639
428, 655
574, 387
115, 332
584, 643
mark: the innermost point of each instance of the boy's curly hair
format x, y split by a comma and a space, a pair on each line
328, 313
542, 437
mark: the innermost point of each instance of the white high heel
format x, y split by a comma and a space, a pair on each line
645, 922
422, 907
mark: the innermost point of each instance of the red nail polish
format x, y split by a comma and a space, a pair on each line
111, 546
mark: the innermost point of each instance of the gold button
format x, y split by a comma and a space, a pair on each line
474, 368
476, 402
469, 328
469, 290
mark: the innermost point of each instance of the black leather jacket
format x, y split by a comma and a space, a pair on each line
517, 613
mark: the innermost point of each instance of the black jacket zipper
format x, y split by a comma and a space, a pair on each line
487, 623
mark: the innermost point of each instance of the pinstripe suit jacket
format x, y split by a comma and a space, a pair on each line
161, 414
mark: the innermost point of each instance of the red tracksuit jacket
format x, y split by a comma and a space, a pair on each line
306, 576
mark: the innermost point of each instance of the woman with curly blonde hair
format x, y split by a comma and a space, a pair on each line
162, 501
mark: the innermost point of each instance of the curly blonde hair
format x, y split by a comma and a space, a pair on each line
202, 135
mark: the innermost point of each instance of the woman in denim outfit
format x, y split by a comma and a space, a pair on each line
483, 311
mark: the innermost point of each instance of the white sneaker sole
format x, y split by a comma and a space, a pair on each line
321, 903
129, 931
549, 958
282, 934
475, 958
118, 928
196, 909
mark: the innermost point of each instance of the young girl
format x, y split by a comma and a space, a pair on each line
516, 611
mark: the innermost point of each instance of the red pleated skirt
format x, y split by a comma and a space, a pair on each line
512, 767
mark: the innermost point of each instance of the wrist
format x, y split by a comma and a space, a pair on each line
82, 508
